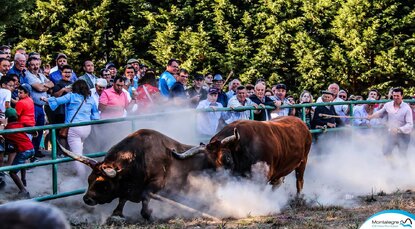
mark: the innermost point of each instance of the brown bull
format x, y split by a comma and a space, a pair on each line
283, 143
139, 165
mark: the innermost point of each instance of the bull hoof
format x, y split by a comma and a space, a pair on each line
116, 220
117, 214
146, 214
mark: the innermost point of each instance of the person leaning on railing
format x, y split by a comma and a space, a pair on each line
324, 115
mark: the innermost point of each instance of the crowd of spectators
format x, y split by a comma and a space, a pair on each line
38, 95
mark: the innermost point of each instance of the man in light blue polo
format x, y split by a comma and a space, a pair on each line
167, 79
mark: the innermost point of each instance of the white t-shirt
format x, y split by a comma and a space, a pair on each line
5, 96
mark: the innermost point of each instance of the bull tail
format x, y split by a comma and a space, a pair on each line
81, 158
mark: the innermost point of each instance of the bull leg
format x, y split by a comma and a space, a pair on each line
120, 207
299, 175
276, 183
145, 210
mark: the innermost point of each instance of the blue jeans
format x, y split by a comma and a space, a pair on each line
40, 121
21, 158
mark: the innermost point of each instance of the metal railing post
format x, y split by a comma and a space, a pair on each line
303, 114
54, 166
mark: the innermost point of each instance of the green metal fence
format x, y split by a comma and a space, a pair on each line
133, 119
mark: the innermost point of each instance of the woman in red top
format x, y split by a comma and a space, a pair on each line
25, 107
147, 94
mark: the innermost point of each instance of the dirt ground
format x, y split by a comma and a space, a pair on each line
295, 215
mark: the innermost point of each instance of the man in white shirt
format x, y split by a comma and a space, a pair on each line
400, 123
100, 86
240, 100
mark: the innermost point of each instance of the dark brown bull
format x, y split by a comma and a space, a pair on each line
139, 165
283, 143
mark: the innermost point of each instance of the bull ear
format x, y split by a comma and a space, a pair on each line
110, 172
81, 158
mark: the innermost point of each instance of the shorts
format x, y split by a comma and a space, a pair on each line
21, 158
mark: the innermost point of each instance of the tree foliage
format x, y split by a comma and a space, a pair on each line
306, 44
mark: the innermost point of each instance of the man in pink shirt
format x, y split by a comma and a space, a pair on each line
113, 101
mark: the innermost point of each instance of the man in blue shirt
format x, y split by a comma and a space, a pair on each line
177, 91
218, 83
55, 76
167, 79
19, 68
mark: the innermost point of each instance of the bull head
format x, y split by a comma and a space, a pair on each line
232, 138
81, 158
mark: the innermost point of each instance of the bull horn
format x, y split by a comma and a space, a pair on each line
190, 152
81, 158
110, 172
231, 138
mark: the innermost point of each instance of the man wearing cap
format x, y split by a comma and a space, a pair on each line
207, 122
167, 79
197, 93
100, 86
280, 93
61, 60
89, 76
218, 84
112, 68
136, 65
323, 115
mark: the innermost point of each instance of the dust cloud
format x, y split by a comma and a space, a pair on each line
340, 167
